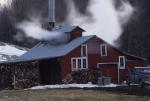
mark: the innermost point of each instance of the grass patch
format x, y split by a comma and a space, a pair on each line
67, 95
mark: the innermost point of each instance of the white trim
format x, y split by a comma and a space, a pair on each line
105, 63
98, 65
141, 67
119, 65
86, 62
73, 69
72, 64
82, 49
105, 45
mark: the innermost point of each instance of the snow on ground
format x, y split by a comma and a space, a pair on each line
71, 86
10, 52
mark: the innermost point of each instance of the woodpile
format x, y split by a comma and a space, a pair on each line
18, 76
5, 77
82, 76
27, 75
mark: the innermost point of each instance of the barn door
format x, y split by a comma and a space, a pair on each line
109, 70
50, 71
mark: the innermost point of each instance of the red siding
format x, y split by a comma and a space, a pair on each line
93, 46
110, 70
95, 57
66, 61
77, 32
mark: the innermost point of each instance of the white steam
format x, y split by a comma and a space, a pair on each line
34, 29
125, 11
105, 21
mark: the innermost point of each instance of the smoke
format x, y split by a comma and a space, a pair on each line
104, 21
33, 28
125, 11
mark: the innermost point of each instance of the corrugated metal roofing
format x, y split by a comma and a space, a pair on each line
46, 50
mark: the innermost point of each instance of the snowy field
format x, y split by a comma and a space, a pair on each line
71, 86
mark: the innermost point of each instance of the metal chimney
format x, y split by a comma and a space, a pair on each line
51, 13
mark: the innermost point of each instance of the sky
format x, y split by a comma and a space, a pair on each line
4, 2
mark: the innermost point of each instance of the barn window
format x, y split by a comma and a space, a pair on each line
103, 48
84, 63
79, 63
121, 62
84, 50
74, 63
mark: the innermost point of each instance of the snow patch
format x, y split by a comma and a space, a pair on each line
71, 86
10, 52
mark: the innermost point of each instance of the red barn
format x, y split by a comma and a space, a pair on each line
80, 52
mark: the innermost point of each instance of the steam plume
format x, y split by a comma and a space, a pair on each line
34, 29
106, 21
125, 11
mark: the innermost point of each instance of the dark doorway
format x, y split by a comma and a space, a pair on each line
50, 71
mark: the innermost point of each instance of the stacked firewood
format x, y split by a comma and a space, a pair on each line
82, 76
27, 75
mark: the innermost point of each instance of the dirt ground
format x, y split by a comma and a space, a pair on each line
69, 95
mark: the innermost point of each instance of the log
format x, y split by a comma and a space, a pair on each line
82, 76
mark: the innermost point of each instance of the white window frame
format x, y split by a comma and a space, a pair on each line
74, 69
105, 49
119, 64
82, 50
72, 64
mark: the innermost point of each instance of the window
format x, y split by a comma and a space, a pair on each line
84, 50
121, 62
84, 63
103, 49
79, 63
74, 63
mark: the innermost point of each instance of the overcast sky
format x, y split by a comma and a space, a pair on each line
3, 2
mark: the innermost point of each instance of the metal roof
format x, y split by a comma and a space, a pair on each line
66, 29
46, 50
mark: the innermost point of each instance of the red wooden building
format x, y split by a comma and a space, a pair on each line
57, 59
